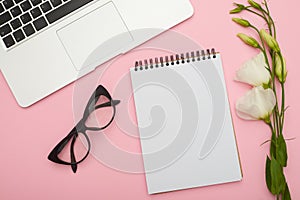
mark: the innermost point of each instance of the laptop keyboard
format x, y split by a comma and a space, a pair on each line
23, 18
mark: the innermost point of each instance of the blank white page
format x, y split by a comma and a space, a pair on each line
185, 125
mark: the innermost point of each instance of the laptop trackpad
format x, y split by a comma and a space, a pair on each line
96, 37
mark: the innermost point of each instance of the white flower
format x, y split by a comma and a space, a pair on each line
254, 71
256, 104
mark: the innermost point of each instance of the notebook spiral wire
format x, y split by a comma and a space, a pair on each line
175, 59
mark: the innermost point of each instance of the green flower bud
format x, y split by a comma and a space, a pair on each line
248, 40
280, 68
254, 4
238, 9
241, 22
269, 40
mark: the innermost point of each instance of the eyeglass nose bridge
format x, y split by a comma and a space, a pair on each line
80, 126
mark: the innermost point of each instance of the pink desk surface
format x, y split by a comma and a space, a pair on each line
27, 135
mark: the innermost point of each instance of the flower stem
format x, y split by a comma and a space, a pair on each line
276, 117
256, 13
282, 111
282, 105
267, 20
266, 5
267, 11
271, 127
263, 47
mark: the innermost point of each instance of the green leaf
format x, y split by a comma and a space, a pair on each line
286, 193
268, 174
281, 154
277, 177
273, 145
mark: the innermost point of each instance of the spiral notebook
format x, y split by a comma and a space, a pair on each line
186, 132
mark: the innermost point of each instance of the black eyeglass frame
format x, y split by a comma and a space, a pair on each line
82, 128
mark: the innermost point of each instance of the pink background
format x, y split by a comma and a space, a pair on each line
27, 135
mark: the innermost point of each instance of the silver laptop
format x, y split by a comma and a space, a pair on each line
46, 44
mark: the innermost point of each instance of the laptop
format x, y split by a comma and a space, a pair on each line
47, 44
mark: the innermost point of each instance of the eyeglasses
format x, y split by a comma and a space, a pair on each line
104, 107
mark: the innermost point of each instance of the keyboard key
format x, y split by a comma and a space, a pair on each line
15, 11
25, 6
8, 41
28, 29
18, 1
26, 18
36, 12
36, 2
15, 24
5, 17
56, 2
19, 35
40, 23
1, 8
8, 4
46, 7
4, 30
65, 9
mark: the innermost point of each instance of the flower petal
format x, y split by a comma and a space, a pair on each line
254, 71
256, 104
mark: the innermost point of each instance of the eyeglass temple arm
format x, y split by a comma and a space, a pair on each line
72, 154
